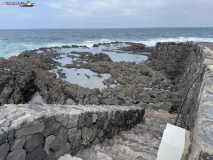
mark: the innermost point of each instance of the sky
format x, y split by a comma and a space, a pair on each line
49, 14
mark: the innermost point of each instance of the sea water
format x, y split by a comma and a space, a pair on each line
13, 42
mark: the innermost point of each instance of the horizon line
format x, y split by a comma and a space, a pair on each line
108, 28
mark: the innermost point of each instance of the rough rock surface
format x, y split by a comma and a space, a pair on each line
61, 129
139, 143
135, 84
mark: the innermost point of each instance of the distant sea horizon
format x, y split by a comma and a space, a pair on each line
14, 41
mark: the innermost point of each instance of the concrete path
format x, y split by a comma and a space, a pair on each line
207, 44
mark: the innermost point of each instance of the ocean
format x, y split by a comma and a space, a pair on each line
13, 42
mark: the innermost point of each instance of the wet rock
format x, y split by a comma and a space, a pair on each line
87, 76
99, 57
95, 45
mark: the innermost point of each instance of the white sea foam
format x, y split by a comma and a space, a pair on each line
89, 41
152, 42
11, 49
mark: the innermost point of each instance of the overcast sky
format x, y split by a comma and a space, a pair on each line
107, 14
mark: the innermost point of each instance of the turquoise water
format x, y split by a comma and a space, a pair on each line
13, 42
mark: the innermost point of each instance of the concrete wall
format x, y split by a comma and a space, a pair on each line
46, 132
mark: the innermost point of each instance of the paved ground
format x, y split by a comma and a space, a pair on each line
139, 143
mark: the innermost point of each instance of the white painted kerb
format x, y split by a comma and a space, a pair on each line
172, 143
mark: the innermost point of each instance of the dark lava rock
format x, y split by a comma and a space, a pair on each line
33, 142
17, 154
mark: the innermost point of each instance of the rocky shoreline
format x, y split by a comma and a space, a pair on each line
105, 79
128, 83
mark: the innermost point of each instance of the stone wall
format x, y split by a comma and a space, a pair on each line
185, 58
202, 135
46, 132
190, 59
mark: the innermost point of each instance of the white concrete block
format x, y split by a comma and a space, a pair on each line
172, 143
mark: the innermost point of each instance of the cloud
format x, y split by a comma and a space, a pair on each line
53, 5
113, 13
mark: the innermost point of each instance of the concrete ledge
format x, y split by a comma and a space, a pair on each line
172, 143
202, 145
43, 132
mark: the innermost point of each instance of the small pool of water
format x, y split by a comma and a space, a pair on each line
110, 50
115, 57
70, 101
83, 77
36, 98
169, 77
39, 51
65, 60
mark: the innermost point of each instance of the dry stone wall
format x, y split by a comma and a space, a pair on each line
190, 59
46, 132
185, 58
